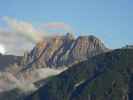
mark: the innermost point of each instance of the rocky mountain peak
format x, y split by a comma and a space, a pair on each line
65, 50
69, 36
87, 46
90, 40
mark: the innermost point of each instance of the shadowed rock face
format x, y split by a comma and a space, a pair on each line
62, 51
104, 77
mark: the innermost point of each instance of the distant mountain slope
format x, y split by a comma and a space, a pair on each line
6, 60
104, 77
62, 51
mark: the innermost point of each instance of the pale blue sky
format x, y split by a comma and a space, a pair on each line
110, 20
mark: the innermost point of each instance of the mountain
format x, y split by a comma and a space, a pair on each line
63, 51
68, 68
108, 76
52, 56
55, 54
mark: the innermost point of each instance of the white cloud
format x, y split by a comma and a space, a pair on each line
21, 36
23, 28
14, 44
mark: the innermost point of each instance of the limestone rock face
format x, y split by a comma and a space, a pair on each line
62, 51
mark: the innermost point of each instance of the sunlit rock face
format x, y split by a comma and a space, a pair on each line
62, 51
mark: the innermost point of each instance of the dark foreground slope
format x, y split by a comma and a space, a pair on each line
107, 76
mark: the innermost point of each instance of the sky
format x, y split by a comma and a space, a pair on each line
109, 20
